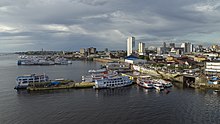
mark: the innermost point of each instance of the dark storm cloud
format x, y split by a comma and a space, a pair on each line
74, 24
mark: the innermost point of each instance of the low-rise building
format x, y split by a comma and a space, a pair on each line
134, 60
200, 58
212, 67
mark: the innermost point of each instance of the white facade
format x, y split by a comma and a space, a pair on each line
135, 61
141, 48
188, 47
213, 67
114, 82
130, 45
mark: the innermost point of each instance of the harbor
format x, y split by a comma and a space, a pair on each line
78, 103
113, 76
114, 70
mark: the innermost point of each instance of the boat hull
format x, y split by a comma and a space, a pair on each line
20, 87
111, 87
144, 86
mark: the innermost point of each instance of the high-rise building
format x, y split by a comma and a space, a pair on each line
164, 44
130, 45
106, 50
82, 50
215, 48
188, 47
91, 50
172, 45
141, 48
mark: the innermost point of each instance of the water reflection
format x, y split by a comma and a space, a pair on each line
113, 92
24, 92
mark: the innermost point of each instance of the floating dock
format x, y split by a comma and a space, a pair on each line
69, 85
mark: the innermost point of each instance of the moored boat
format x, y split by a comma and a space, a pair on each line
214, 80
165, 83
158, 85
98, 74
24, 80
114, 82
216, 91
145, 81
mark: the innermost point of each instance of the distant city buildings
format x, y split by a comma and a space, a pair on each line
91, 50
141, 48
174, 50
106, 50
199, 48
130, 45
177, 50
164, 49
172, 45
87, 51
215, 48
82, 51
188, 47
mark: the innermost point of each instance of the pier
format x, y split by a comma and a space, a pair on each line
70, 85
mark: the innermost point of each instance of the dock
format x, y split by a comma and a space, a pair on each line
69, 85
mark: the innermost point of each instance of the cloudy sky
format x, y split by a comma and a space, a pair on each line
73, 24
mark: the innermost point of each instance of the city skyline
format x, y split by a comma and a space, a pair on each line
73, 24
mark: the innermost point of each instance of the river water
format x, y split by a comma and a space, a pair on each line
126, 105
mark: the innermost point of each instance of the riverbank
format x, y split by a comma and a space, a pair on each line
194, 81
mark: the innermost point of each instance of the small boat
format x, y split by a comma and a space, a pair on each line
216, 91
146, 82
24, 80
214, 80
98, 71
114, 82
158, 86
165, 83
147, 85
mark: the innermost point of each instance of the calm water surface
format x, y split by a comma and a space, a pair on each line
88, 106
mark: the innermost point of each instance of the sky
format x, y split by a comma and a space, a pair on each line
73, 24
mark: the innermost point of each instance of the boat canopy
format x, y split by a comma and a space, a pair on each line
55, 83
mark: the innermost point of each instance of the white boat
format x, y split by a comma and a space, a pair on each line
61, 61
98, 71
119, 81
145, 81
69, 62
165, 83
24, 80
98, 74
33, 60
158, 86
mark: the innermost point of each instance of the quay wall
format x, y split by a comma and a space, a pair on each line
102, 60
105, 60
199, 80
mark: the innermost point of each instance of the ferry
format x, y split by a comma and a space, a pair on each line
24, 80
98, 74
114, 82
146, 82
61, 61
